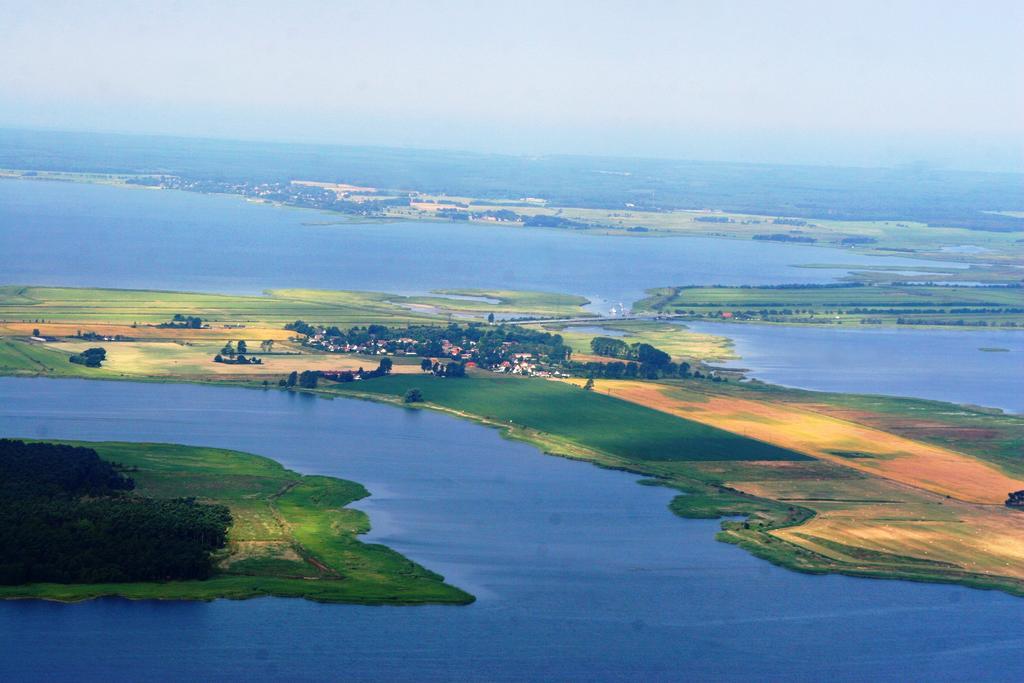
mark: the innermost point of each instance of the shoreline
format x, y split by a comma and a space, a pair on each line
763, 516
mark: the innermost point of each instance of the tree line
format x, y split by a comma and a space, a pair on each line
66, 516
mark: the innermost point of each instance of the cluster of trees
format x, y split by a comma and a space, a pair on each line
450, 369
542, 221
91, 358
231, 356
66, 516
238, 360
93, 336
785, 237
645, 354
642, 361
184, 321
303, 327
634, 370
307, 379
383, 369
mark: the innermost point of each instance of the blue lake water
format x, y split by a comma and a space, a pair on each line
580, 573
945, 365
101, 236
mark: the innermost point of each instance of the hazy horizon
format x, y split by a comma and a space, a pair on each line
871, 84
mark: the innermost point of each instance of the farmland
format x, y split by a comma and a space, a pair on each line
126, 307
862, 485
148, 348
856, 304
291, 535
880, 497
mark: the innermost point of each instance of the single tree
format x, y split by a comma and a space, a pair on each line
242, 348
413, 396
589, 385
426, 365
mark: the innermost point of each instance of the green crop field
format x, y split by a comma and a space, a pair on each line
291, 535
587, 419
824, 296
18, 358
276, 307
994, 306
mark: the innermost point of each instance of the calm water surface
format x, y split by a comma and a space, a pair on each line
946, 365
580, 573
100, 236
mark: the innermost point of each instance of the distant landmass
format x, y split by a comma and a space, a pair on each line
964, 199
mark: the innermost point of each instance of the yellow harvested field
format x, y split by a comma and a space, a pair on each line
252, 335
866, 449
678, 342
159, 359
877, 516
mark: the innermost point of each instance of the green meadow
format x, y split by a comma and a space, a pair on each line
588, 420
881, 303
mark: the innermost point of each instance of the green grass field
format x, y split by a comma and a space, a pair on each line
586, 419
292, 535
882, 303
276, 307
18, 358
505, 302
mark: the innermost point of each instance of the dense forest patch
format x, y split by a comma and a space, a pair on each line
66, 516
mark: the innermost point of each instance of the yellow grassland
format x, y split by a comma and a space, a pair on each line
854, 515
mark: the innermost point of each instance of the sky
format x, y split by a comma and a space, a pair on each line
847, 83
